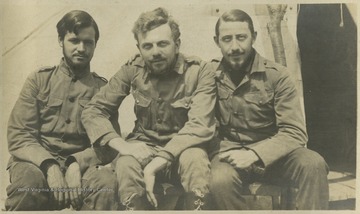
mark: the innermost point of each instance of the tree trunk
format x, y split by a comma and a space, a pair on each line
277, 12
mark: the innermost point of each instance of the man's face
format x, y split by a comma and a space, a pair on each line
235, 41
158, 49
79, 49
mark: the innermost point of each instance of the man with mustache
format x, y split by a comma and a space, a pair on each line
174, 106
262, 133
46, 139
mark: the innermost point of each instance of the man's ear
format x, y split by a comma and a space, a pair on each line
178, 43
254, 37
216, 40
61, 41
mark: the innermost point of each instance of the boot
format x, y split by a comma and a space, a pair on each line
196, 200
137, 202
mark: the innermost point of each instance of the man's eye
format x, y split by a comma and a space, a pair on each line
226, 39
74, 41
89, 42
241, 37
147, 46
163, 44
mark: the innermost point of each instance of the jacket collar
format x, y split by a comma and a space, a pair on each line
65, 68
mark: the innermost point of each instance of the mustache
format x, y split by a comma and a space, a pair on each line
81, 55
158, 59
235, 53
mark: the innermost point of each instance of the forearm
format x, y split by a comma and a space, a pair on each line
276, 147
101, 114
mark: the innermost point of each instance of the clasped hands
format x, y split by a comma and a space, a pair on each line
65, 190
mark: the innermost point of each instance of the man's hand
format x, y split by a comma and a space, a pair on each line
240, 159
150, 171
56, 181
73, 179
140, 151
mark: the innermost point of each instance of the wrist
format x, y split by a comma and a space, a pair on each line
70, 160
47, 164
117, 143
157, 164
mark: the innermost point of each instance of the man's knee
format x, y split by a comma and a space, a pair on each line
101, 178
26, 189
194, 156
308, 162
126, 164
27, 175
224, 178
100, 186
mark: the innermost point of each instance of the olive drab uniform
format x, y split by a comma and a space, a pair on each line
45, 125
263, 114
174, 117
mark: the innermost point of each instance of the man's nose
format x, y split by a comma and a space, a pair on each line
235, 46
156, 51
80, 47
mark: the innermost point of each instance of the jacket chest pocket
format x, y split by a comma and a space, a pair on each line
49, 109
82, 104
142, 109
223, 106
180, 109
259, 109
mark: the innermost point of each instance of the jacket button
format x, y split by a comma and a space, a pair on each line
186, 104
159, 120
72, 99
260, 102
137, 101
160, 99
67, 121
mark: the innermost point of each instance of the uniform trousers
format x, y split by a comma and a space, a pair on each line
303, 169
28, 185
191, 171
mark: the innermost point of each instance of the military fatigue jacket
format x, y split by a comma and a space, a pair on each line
262, 113
173, 110
45, 121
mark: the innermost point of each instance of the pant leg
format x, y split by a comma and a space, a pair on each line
99, 189
25, 179
130, 177
194, 170
194, 173
227, 186
306, 170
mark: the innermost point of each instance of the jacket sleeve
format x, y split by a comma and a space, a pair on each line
24, 125
96, 155
93, 156
289, 120
200, 127
97, 116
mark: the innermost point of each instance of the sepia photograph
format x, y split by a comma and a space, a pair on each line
216, 105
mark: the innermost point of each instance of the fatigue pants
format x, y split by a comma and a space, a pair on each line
191, 170
26, 178
303, 169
